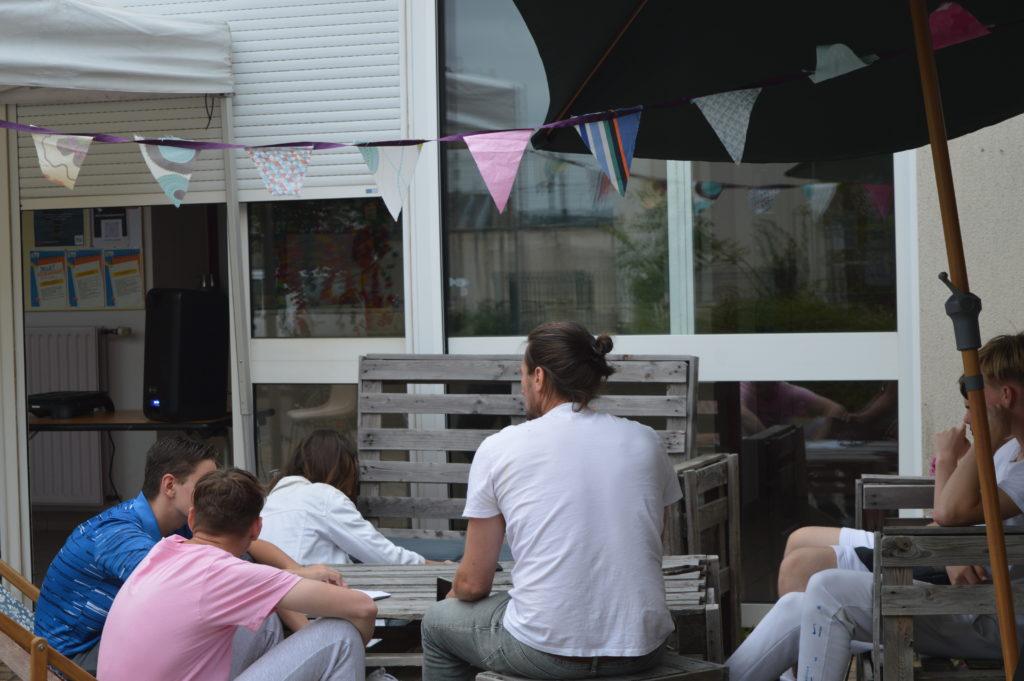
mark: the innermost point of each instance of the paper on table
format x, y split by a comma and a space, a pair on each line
375, 595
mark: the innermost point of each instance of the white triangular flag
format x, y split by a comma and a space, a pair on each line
762, 199
61, 156
392, 168
729, 116
171, 167
819, 195
835, 60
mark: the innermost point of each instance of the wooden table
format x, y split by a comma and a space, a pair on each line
692, 600
127, 419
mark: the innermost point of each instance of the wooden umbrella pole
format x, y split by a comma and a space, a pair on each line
958, 274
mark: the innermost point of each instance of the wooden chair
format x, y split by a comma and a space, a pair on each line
897, 600
422, 416
672, 668
877, 494
711, 522
28, 655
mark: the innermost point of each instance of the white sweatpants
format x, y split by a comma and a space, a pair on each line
814, 630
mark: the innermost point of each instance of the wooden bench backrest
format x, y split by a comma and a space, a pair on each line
898, 600
876, 494
407, 403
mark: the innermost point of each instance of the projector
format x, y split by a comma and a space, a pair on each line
67, 404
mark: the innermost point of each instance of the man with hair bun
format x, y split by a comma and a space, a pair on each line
581, 498
175, 617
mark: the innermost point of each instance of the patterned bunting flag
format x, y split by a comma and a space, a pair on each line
171, 167
762, 199
729, 116
61, 156
282, 169
835, 60
708, 189
881, 196
612, 143
497, 156
819, 195
950, 24
392, 168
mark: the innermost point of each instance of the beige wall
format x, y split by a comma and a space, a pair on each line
988, 170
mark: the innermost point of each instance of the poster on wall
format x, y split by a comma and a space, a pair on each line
116, 228
47, 280
60, 227
85, 279
123, 275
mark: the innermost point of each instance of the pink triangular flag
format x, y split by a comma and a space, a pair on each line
497, 156
951, 24
881, 196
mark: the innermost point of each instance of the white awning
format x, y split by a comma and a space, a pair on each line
73, 50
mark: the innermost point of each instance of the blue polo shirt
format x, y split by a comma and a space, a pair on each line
87, 573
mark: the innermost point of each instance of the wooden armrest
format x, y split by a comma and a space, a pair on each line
20, 583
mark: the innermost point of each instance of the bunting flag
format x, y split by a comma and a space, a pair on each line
282, 169
762, 199
881, 196
392, 168
835, 60
61, 156
612, 143
707, 189
819, 195
950, 24
497, 156
728, 114
701, 205
171, 167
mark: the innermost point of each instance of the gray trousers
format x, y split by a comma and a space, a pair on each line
327, 650
460, 636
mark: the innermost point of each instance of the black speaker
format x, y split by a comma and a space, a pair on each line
185, 376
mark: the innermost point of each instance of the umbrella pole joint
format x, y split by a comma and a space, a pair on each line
963, 308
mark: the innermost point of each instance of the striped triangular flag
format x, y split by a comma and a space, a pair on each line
612, 143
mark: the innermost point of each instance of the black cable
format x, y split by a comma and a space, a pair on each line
110, 468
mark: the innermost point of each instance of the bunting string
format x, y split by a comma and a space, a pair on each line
610, 135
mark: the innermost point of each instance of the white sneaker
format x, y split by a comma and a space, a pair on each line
380, 674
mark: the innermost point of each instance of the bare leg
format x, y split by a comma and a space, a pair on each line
799, 564
811, 536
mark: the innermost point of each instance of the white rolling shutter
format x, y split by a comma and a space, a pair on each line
115, 174
309, 70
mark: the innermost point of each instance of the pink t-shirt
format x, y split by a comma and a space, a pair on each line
175, 617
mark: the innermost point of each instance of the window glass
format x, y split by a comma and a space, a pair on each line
689, 248
802, 445
325, 269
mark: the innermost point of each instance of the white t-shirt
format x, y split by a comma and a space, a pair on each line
316, 523
583, 496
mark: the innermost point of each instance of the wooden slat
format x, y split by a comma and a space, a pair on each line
943, 548
506, 405
393, 659
462, 440
505, 368
896, 496
405, 471
411, 507
713, 513
672, 668
898, 655
959, 599
423, 533
18, 581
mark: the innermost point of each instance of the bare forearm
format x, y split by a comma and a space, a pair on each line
265, 553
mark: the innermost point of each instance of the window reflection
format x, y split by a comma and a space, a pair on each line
690, 248
802, 446
325, 269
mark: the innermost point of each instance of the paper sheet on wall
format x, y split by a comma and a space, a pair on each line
47, 280
123, 274
85, 279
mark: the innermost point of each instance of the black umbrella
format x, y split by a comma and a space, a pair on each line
660, 54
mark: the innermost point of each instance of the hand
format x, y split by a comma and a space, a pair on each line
951, 444
321, 573
967, 574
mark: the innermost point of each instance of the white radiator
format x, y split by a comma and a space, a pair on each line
65, 469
